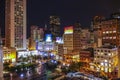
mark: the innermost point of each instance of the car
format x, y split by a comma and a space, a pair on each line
78, 74
70, 74
96, 78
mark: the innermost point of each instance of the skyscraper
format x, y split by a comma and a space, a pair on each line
109, 28
37, 35
55, 26
71, 39
71, 44
15, 24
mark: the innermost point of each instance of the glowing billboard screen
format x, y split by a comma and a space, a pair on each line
68, 30
59, 40
48, 37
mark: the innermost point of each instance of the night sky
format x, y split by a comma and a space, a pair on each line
69, 11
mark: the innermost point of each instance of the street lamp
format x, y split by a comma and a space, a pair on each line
22, 76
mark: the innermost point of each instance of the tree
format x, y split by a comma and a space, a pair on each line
6, 66
75, 66
12, 69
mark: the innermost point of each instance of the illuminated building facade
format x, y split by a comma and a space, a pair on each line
76, 36
77, 27
71, 39
15, 24
24, 54
95, 25
60, 49
119, 62
106, 60
37, 34
55, 26
85, 56
68, 38
97, 38
85, 38
96, 30
72, 44
46, 46
9, 54
110, 29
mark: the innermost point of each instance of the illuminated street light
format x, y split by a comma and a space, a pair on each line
22, 75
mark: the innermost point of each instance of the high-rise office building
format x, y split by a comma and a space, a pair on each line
106, 60
71, 39
37, 34
85, 38
55, 26
76, 36
15, 24
110, 29
71, 44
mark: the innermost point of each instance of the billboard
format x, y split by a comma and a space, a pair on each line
68, 30
48, 37
59, 40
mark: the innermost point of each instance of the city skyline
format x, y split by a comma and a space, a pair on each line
38, 12
78, 39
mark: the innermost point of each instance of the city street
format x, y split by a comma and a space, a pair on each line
32, 76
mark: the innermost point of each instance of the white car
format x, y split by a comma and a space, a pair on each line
70, 74
78, 74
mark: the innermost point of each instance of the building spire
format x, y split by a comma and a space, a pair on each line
45, 26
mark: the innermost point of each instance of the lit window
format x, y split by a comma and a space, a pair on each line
110, 31
102, 63
106, 64
114, 37
102, 68
106, 69
94, 58
103, 37
110, 70
109, 54
107, 31
107, 37
110, 37
106, 61
114, 31
101, 53
109, 65
103, 32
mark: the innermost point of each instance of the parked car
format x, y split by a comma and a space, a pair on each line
70, 74
78, 74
